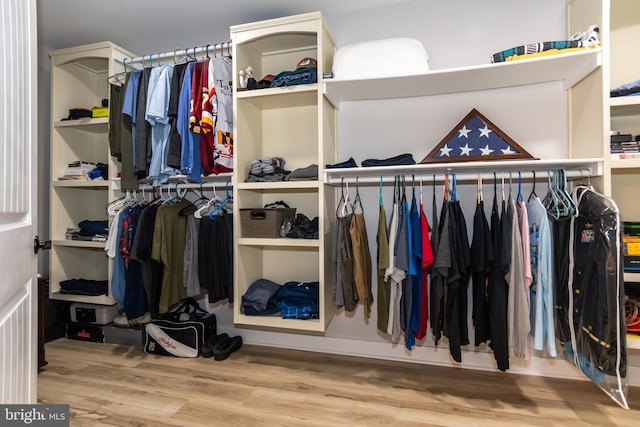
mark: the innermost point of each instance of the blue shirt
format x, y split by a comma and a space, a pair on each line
131, 103
190, 163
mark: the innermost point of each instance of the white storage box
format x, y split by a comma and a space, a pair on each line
93, 313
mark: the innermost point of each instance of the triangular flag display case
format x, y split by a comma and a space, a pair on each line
475, 138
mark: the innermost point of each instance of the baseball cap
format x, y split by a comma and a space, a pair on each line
307, 63
265, 82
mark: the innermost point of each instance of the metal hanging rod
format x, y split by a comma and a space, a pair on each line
572, 174
210, 50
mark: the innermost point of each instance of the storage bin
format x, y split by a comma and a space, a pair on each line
85, 332
263, 222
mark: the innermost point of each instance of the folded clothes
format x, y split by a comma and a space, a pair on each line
297, 77
627, 89
84, 286
304, 174
346, 164
402, 159
94, 227
258, 294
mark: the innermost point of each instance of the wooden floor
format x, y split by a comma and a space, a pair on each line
111, 385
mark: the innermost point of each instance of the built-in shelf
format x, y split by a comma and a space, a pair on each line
99, 299
279, 185
631, 277
282, 97
625, 106
78, 183
468, 170
569, 68
79, 244
282, 242
625, 164
98, 125
278, 322
633, 342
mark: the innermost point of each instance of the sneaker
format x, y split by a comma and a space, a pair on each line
121, 321
142, 320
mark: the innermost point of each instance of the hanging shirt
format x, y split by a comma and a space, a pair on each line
190, 163
517, 307
440, 273
383, 263
427, 260
157, 107
482, 256
416, 278
221, 99
523, 222
131, 104
361, 261
392, 274
175, 143
542, 272
497, 291
142, 146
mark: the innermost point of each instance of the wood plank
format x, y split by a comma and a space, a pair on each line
107, 384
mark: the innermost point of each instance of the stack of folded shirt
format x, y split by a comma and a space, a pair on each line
84, 287
308, 173
259, 300
90, 231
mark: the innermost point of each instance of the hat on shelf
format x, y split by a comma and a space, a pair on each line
307, 63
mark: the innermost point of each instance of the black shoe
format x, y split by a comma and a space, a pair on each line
207, 347
225, 347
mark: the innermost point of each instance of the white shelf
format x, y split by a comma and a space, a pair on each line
281, 97
280, 323
79, 244
631, 277
569, 68
100, 299
282, 242
594, 166
97, 125
280, 185
625, 164
633, 342
72, 183
625, 106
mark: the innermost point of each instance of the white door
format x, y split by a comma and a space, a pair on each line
18, 283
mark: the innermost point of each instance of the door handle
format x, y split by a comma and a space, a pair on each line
40, 244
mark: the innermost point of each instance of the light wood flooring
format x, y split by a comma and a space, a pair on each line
112, 385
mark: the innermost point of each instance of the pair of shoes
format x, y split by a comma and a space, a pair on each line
225, 346
207, 347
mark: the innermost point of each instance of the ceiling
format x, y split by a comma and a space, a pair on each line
148, 26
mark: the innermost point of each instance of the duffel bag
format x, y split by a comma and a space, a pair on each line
181, 331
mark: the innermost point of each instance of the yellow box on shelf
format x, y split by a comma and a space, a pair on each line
100, 112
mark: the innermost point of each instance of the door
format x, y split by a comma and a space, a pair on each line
18, 283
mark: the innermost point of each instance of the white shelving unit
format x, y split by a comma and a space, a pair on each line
296, 123
79, 80
569, 68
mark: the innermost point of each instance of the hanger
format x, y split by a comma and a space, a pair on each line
533, 194
342, 199
347, 202
519, 197
550, 201
380, 191
357, 199
221, 205
210, 202
479, 188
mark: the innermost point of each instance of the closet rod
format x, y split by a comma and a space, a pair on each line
573, 174
217, 49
